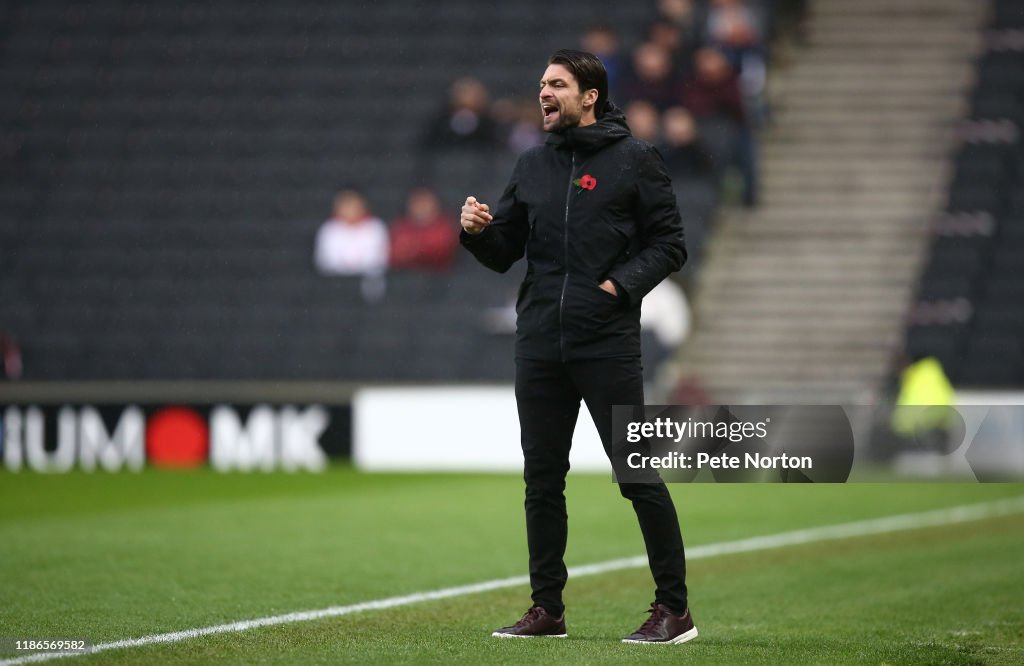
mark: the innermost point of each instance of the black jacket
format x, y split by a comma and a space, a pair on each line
592, 203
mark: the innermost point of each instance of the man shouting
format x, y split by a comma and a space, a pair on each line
594, 213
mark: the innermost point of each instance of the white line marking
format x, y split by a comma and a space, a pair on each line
897, 523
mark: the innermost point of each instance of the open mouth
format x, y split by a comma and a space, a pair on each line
549, 110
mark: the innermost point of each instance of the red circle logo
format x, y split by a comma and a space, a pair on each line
177, 437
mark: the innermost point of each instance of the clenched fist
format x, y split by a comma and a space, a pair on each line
475, 216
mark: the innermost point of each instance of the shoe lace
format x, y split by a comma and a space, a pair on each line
530, 615
657, 615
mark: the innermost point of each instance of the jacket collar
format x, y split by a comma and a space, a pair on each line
609, 128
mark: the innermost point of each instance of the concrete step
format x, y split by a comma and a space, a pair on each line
828, 223
780, 358
816, 329
877, 107
777, 306
738, 289
865, 181
851, 375
751, 239
748, 355
845, 86
933, 51
772, 242
789, 116
862, 208
898, 11
750, 376
814, 216
828, 206
767, 270
771, 306
810, 248
751, 350
784, 333
821, 197
847, 233
838, 56
853, 150
863, 74
744, 310
858, 295
796, 260
825, 164
884, 8
773, 318
727, 283
825, 22
883, 35
873, 68
764, 310
795, 392
787, 133
772, 311
776, 395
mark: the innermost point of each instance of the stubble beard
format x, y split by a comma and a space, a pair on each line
566, 120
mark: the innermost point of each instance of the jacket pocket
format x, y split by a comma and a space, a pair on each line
598, 306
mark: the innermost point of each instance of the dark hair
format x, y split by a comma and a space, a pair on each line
589, 72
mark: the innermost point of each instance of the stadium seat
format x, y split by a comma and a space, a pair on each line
177, 160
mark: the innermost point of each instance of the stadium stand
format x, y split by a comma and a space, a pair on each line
165, 166
804, 299
967, 311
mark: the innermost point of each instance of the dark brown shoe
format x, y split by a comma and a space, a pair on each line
664, 626
535, 624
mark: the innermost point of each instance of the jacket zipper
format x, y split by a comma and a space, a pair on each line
565, 279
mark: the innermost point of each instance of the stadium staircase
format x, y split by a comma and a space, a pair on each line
803, 299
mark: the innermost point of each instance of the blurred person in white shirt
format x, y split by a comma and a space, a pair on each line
354, 242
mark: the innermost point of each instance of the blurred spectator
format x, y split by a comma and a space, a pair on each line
458, 144
669, 36
425, 237
733, 26
713, 89
465, 122
603, 42
643, 120
686, 14
713, 95
690, 391
10, 356
664, 323
652, 78
685, 155
693, 177
738, 32
665, 310
924, 410
354, 242
665, 34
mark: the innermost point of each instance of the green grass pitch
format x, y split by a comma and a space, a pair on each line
109, 557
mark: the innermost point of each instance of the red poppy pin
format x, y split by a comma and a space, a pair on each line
587, 182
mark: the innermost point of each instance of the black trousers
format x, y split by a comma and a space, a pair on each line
548, 395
